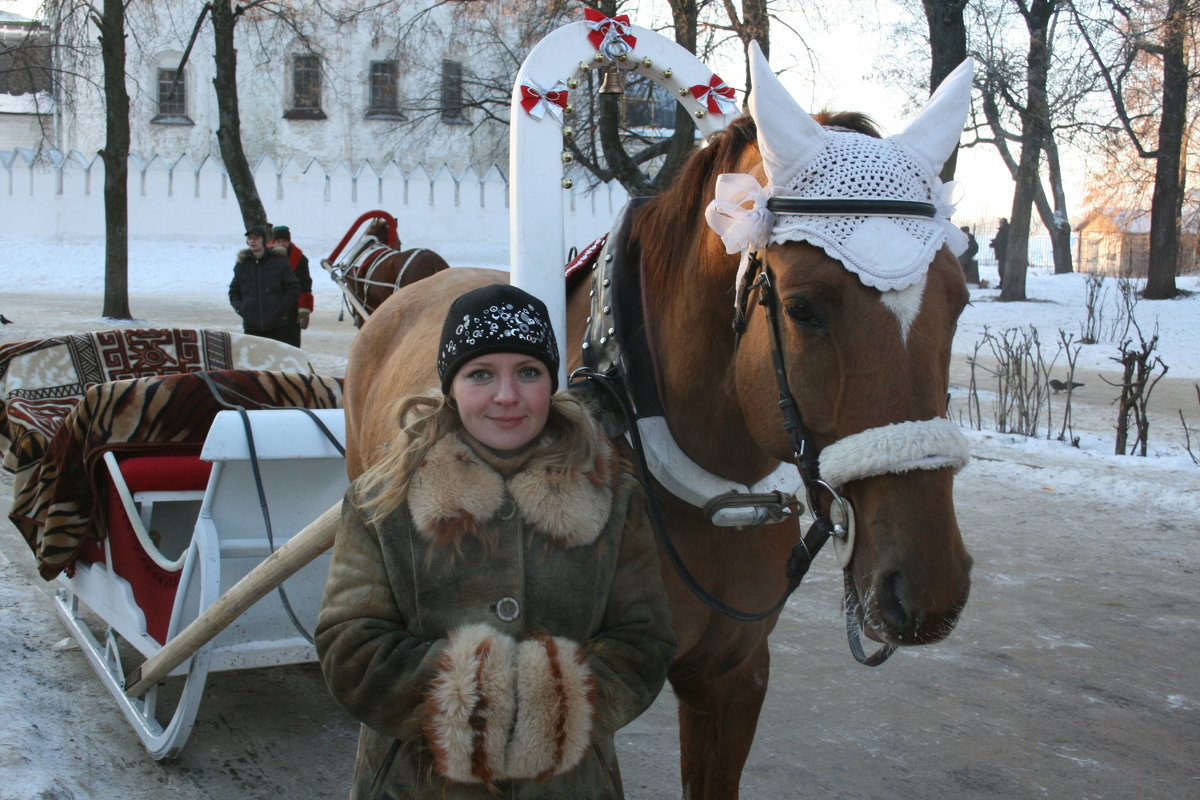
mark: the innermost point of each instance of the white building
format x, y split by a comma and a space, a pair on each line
26, 104
400, 82
402, 108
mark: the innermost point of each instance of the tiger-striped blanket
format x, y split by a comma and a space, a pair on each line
42, 380
58, 507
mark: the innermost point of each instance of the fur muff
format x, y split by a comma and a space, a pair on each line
555, 699
454, 492
471, 703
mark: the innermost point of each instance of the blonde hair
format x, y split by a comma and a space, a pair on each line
570, 442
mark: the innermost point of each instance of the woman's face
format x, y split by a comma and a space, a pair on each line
503, 399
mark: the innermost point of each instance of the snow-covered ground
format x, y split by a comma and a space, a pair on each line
1065, 678
200, 267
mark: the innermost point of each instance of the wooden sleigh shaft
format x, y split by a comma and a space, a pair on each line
302, 475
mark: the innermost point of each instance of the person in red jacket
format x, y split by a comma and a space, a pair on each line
299, 262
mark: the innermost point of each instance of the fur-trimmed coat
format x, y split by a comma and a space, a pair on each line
498, 627
264, 291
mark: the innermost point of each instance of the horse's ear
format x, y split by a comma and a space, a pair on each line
936, 130
788, 137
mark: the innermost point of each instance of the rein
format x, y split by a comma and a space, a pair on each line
804, 454
219, 394
349, 274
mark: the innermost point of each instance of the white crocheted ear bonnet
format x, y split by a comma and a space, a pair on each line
903, 209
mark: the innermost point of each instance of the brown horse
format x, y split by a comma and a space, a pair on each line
854, 364
377, 267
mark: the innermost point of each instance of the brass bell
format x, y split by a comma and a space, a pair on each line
613, 83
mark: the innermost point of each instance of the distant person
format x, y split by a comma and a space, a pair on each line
970, 266
264, 290
1000, 245
299, 262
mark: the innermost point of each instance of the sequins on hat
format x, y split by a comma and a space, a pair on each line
496, 319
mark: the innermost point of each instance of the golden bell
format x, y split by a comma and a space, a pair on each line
613, 83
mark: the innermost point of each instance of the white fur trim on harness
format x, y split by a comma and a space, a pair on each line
898, 448
692, 483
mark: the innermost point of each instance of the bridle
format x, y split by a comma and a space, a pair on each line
823, 527
926, 444
760, 279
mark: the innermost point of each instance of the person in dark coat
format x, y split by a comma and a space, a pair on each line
299, 262
494, 610
1000, 245
970, 266
265, 290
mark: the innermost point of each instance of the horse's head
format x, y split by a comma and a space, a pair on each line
378, 227
868, 298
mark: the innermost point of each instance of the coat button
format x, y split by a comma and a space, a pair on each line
507, 509
507, 609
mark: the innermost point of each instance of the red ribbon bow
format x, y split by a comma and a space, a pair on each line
717, 95
605, 28
536, 101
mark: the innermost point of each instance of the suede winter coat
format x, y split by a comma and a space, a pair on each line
495, 631
264, 290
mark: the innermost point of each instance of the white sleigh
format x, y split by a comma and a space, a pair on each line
168, 525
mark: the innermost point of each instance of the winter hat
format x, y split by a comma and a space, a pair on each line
282, 230
496, 319
257, 230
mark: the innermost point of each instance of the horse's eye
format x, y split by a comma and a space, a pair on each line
804, 313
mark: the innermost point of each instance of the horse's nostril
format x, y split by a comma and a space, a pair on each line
890, 603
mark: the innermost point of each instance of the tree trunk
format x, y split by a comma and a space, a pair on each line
1055, 219
116, 161
754, 25
685, 19
1167, 202
1033, 125
1057, 223
948, 49
229, 134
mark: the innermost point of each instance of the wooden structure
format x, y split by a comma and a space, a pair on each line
1116, 243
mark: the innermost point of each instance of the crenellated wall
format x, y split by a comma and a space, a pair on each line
462, 216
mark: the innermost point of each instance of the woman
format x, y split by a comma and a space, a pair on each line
494, 610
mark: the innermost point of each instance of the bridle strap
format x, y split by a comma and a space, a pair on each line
851, 207
805, 455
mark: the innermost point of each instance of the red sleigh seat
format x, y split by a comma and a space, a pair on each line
151, 568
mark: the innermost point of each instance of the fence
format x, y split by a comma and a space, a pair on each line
464, 217
1041, 250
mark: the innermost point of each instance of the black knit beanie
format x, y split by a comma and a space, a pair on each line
496, 319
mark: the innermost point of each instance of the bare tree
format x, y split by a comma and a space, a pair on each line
1037, 15
1122, 38
947, 49
111, 22
229, 132
753, 24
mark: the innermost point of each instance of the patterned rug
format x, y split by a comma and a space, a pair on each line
43, 379
64, 400
59, 506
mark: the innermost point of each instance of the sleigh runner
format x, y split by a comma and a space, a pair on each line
744, 278
151, 496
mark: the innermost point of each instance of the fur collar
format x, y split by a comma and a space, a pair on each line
454, 492
245, 255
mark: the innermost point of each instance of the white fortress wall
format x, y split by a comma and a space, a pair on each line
462, 215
